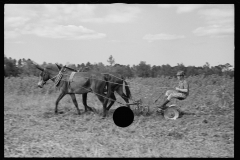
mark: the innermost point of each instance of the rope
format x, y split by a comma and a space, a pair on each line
105, 81
129, 86
60, 75
107, 97
134, 82
124, 84
95, 93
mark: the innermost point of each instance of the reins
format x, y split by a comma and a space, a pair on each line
136, 102
133, 82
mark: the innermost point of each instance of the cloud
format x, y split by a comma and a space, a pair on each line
217, 15
69, 32
77, 13
116, 14
214, 31
52, 20
162, 36
187, 8
91, 36
69, 12
166, 5
220, 22
15, 21
182, 8
11, 34
16, 42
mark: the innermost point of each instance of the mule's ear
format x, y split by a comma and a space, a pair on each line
59, 67
37, 66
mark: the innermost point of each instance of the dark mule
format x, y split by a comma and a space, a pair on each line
116, 82
82, 83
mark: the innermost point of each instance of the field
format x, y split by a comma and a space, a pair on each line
31, 129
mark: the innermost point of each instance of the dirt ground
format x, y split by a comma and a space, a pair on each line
31, 129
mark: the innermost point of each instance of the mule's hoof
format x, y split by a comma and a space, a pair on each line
94, 110
104, 117
90, 109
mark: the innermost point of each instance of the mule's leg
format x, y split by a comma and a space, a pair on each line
103, 100
119, 90
84, 101
75, 102
62, 94
112, 102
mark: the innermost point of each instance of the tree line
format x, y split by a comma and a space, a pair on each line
24, 67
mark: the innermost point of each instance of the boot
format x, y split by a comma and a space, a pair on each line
162, 106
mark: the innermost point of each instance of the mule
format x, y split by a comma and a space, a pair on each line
82, 83
116, 82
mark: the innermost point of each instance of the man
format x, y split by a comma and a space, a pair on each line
180, 93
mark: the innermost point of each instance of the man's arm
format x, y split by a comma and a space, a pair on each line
186, 87
181, 90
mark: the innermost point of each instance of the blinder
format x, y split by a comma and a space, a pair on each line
57, 80
41, 82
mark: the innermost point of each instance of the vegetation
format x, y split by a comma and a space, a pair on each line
31, 129
24, 67
206, 129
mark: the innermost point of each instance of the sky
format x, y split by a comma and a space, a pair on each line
159, 34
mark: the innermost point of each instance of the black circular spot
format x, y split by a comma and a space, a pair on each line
123, 116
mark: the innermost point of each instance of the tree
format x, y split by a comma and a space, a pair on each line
100, 67
227, 67
143, 69
190, 71
44, 64
129, 73
73, 66
111, 60
155, 71
206, 68
216, 70
89, 66
167, 70
122, 70
10, 67
181, 67
19, 63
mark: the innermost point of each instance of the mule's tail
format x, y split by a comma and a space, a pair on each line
128, 93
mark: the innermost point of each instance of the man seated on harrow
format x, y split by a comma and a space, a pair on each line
180, 93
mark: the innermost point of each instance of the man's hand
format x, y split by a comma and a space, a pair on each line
181, 90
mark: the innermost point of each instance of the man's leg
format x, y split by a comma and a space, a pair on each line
169, 96
166, 101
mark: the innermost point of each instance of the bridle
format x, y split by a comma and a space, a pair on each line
58, 77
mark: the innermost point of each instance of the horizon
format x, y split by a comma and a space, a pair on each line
188, 34
68, 63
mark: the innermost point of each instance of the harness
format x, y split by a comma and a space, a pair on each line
71, 78
58, 77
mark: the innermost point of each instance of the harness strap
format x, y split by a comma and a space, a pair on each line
71, 78
58, 79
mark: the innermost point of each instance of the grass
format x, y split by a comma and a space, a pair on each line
31, 129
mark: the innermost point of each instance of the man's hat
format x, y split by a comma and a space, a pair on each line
180, 73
